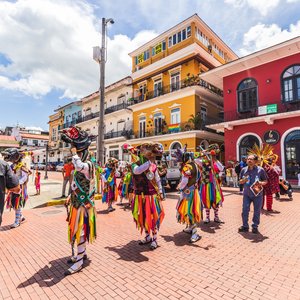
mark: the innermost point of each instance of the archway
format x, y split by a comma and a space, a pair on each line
246, 143
292, 155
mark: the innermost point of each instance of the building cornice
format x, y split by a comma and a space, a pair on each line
268, 119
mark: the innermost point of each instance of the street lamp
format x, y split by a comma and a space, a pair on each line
46, 163
99, 55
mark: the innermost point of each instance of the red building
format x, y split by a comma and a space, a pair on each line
262, 103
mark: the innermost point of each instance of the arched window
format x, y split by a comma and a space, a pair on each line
290, 81
292, 154
247, 143
247, 95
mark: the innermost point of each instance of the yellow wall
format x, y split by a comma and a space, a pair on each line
55, 123
187, 108
192, 67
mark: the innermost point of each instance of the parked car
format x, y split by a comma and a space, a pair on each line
59, 167
173, 174
40, 166
51, 167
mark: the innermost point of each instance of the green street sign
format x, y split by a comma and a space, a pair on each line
271, 108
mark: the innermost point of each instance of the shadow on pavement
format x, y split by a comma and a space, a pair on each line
269, 213
182, 239
284, 200
50, 275
103, 212
131, 251
210, 227
254, 238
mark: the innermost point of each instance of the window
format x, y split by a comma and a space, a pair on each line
175, 116
54, 134
291, 84
157, 88
247, 95
159, 48
74, 116
175, 81
142, 127
157, 123
79, 114
247, 143
121, 99
142, 92
203, 113
35, 142
202, 37
25, 142
179, 36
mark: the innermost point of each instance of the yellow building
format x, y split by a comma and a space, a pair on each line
170, 103
55, 123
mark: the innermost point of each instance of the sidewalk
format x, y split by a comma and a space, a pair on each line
222, 265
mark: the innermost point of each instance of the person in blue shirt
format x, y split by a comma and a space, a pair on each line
249, 175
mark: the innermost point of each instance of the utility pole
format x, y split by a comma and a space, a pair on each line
100, 56
46, 168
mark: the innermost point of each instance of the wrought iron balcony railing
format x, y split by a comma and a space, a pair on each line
192, 81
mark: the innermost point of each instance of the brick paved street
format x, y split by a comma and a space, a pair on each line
222, 265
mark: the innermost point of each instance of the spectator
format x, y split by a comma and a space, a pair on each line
162, 172
67, 173
228, 175
235, 177
243, 164
285, 188
37, 182
249, 175
8, 180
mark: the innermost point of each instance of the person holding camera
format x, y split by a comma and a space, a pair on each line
253, 178
285, 188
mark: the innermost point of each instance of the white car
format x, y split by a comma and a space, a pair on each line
59, 167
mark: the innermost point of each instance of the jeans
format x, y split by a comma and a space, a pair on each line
66, 180
257, 203
1, 210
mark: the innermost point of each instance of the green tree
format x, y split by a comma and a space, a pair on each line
196, 121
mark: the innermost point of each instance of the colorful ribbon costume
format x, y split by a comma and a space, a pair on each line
13, 200
82, 214
147, 209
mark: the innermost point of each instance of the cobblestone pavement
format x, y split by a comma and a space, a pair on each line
222, 265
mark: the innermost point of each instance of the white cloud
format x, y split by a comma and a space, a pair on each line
264, 7
50, 44
34, 128
293, 1
262, 36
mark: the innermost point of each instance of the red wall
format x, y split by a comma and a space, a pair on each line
268, 93
231, 136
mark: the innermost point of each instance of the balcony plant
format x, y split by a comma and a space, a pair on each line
195, 121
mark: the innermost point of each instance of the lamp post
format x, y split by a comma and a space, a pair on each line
99, 55
46, 163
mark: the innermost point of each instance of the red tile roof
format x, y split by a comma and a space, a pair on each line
34, 136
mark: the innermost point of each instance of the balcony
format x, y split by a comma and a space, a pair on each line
117, 107
233, 115
191, 81
115, 134
179, 127
79, 120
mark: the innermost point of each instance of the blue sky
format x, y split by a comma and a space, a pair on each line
46, 45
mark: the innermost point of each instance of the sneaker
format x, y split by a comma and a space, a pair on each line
23, 219
217, 220
71, 271
15, 225
110, 209
146, 240
153, 245
255, 230
187, 230
206, 221
195, 238
73, 259
243, 229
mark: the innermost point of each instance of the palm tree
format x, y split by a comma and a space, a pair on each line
196, 121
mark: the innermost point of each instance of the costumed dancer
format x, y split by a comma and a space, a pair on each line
147, 209
267, 159
82, 213
189, 204
209, 187
13, 200
110, 192
127, 187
